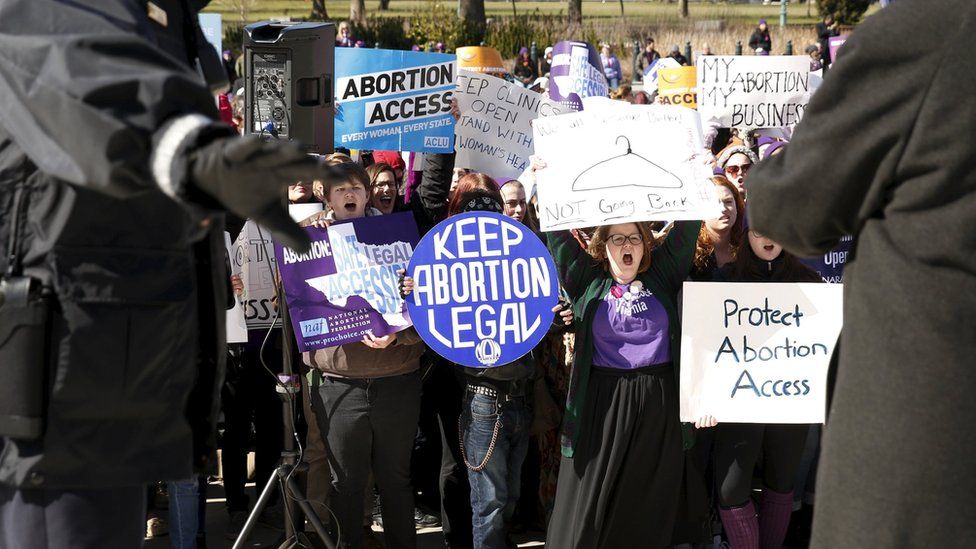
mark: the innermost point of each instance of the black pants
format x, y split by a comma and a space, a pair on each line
369, 425
440, 411
249, 396
72, 519
737, 449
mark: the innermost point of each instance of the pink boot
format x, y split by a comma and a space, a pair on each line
774, 518
741, 526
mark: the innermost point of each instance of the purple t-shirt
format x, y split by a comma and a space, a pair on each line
630, 329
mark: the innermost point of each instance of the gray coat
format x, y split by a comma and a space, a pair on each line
886, 153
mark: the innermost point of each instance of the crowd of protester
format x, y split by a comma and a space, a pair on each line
579, 438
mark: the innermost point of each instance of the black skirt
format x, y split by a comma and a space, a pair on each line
623, 487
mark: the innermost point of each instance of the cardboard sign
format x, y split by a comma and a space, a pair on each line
236, 324
494, 134
576, 72
758, 352
628, 163
484, 289
347, 285
482, 59
830, 266
677, 86
394, 100
253, 260
650, 73
754, 91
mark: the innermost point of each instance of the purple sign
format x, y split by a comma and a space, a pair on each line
834, 43
347, 285
576, 72
830, 266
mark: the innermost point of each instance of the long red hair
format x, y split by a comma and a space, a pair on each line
705, 247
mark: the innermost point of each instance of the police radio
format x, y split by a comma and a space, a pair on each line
288, 72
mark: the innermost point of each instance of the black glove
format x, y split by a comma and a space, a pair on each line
248, 176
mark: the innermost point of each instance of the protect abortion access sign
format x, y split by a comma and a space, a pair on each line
758, 352
484, 289
347, 284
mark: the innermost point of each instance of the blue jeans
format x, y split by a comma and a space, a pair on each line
614, 83
184, 513
495, 488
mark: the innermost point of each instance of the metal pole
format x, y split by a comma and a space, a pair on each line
636, 78
688, 53
738, 47
782, 13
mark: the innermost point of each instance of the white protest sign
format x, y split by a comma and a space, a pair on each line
494, 134
235, 323
650, 75
635, 163
754, 91
253, 259
758, 352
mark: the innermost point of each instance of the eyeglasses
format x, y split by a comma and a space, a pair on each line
618, 239
734, 170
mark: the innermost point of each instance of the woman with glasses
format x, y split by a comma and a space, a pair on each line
735, 161
738, 446
385, 187
620, 480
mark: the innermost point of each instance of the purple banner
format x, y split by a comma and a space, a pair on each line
576, 72
834, 43
830, 266
346, 285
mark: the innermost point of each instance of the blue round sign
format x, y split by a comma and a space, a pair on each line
484, 289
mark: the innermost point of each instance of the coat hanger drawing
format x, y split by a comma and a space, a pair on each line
605, 173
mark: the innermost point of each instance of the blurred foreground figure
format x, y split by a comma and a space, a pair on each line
113, 177
886, 152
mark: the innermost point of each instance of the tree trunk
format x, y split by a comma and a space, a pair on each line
621, 9
514, 13
318, 10
575, 12
684, 8
472, 11
384, 5
357, 11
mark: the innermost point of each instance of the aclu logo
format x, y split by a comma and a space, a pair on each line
314, 327
488, 352
439, 142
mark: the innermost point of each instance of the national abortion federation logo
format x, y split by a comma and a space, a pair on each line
484, 289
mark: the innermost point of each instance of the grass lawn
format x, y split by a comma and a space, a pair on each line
659, 11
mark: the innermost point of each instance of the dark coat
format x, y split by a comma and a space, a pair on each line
138, 284
898, 450
760, 39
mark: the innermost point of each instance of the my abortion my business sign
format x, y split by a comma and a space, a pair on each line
484, 289
758, 352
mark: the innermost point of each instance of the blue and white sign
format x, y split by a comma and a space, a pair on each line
484, 289
212, 30
394, 100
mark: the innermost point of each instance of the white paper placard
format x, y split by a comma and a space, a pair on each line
634, 163
758, 352
754, 91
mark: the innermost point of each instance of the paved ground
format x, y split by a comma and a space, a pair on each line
265, 537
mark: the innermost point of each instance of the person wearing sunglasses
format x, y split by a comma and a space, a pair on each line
736, 160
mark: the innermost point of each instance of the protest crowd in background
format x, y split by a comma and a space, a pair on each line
581, 438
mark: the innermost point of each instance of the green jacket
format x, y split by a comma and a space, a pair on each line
587, 283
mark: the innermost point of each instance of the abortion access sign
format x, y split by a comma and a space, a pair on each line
484, 289
758, 352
